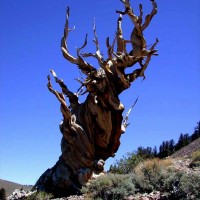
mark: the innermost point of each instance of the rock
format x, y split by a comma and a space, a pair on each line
144, 198
19, 194
131, 198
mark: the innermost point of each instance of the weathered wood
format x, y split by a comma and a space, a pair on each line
91, 130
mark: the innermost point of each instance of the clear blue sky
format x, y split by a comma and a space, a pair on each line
169, 98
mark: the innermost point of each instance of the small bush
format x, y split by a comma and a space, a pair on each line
190, 185
126, 164
40, 196
195, 159
196, 156
154, 174
111, 186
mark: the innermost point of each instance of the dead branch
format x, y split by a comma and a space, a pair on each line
110, 48
119, 36
97, 54
64, 109
141, 15
125, 124
85, 67
73, 98
149, 17
148, 58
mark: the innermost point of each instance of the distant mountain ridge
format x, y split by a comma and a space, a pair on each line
11, 186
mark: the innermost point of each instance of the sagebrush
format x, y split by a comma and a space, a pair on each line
148, 176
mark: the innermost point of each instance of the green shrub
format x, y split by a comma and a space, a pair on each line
154, 174
195, 159
190, 185
40, 196
111, 186
126, 164
196, 156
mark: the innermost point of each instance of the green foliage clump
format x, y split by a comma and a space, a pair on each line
40, 196
154, 174
2, 194
195, 159
126, 164
111, 186
196, 156
190, 185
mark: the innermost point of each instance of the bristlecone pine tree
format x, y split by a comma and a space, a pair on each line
91, 130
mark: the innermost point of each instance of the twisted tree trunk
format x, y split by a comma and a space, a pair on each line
91, 130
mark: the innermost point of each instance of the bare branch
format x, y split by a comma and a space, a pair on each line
73, 99
98, 53
104, 64
79, 49
125, 124
141, 14
149, 17
119, 36
85, 55
152, 52
84, 66
137, 39
121, 12
110, 50
64, 109
126, 3
130, 12
139, 52
64, 40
